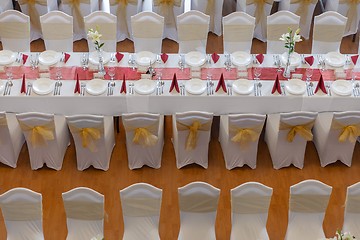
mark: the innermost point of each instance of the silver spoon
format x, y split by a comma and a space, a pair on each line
259, 88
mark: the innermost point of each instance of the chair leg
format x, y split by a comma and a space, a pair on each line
117, 125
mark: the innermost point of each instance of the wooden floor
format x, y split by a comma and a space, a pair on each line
52, 183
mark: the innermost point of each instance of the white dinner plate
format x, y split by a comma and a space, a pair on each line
94, 57
341, 87
96, 86
335, 59
2, 86
144, 86
295, 59
296, 87
243, 86
195, 59
195, 86
143, 58
49, 57
7, 57
43, 86
240, 58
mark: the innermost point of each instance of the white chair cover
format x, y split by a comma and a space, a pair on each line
238, 29
144, 149
94, 140
106, 25
258, 9
147, 31
34, 9
198, 202
328, 131
308, 203
15, 31
47, 138
229, 7
191, 147
328, 31
11, 139
22, 212
239, 137
57, 30
84, 210
141, 204
78, 9
352, 213
212, 8
6, 5
279, 128
278, 24
249, 211
193, 28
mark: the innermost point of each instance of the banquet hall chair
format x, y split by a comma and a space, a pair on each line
191, 137
141, 205
6, 5
57, 30
303, 9
84, 210
198, 202
11, 139
15, 31
22, 212
335, 135
286, 135
144, 139
307, 206
249, 211
258, 9
352, 214
277, 25
34, 9
47, 138
105, 23
212, 9
94, 140
147, 32
239, 137
328, 31
238, 32
78, 10
193, 28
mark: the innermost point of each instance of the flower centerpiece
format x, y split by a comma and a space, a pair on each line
95, 36
290, 38
339, 235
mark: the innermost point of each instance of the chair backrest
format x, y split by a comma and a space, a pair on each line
57, 30
238, 32
352, 199
343, 125
6, 5
147, 31
212, 9
328, 31
193, 28
278, 24
132, 121
349, 9
15, 31
189, 117
255, 122
347, 118
106, 25
297, 118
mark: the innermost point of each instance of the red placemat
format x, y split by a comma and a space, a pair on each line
168, 73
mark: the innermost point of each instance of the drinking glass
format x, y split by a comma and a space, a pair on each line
9, 73
308, 73
33, 61
111, 70
58, 73
257, 73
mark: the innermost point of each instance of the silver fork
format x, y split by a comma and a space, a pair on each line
82, 89
56, 88
229, 88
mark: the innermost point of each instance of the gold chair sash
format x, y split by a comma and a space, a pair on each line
21, 211
144, 136
250, 204
88, 136
3, 123
328, 33
303, 130
238, 33
260, 14
76, 12
14, 30
121, 12
167, 10
193, 129
210, 10
353, 204
244, 136
191, 32
303, 9
83, 210
57, 31
33, 13
276, 30
141, 207
198, 203
352, 12
39, 135
347, 132
308, 203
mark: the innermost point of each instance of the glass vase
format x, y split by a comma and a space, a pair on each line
287, 69
101, 68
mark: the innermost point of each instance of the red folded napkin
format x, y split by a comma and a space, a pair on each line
277, 86
215, 57
221, 84
310, 60
260, 58
321, 85
164, 57
23, 85
66, 57
174, 84
123, 85
24, 58
119, 56
77, 85
354, 59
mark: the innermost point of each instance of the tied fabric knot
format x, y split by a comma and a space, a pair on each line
303, 130
244, 136
191, 140
88, 136
347, 132
303, 9
121, 12
351, 13
167, 11
76, 12
33, 12
144, 137
260, 15
39, 135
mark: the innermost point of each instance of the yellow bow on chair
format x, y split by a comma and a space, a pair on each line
88, 136
303, 9
33, 13
351, 14
121, 12
210, 10
244, 136
144, 136
39, 135
191, 140
76, 11
303, 130
167, 10
260, 14
3, 123
347, 132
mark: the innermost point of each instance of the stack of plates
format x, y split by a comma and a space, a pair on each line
341, 88
145, 86
335, 59
49, 57
243, 87
195, 59
240, 58
43, 86
295, 59
145, 58
7, 57
296, 87
195, 86
96, 87
94, 57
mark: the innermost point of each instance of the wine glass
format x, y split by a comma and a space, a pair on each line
9, 73
111, 71
257, 73
308, 72
58, 73
33, 61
